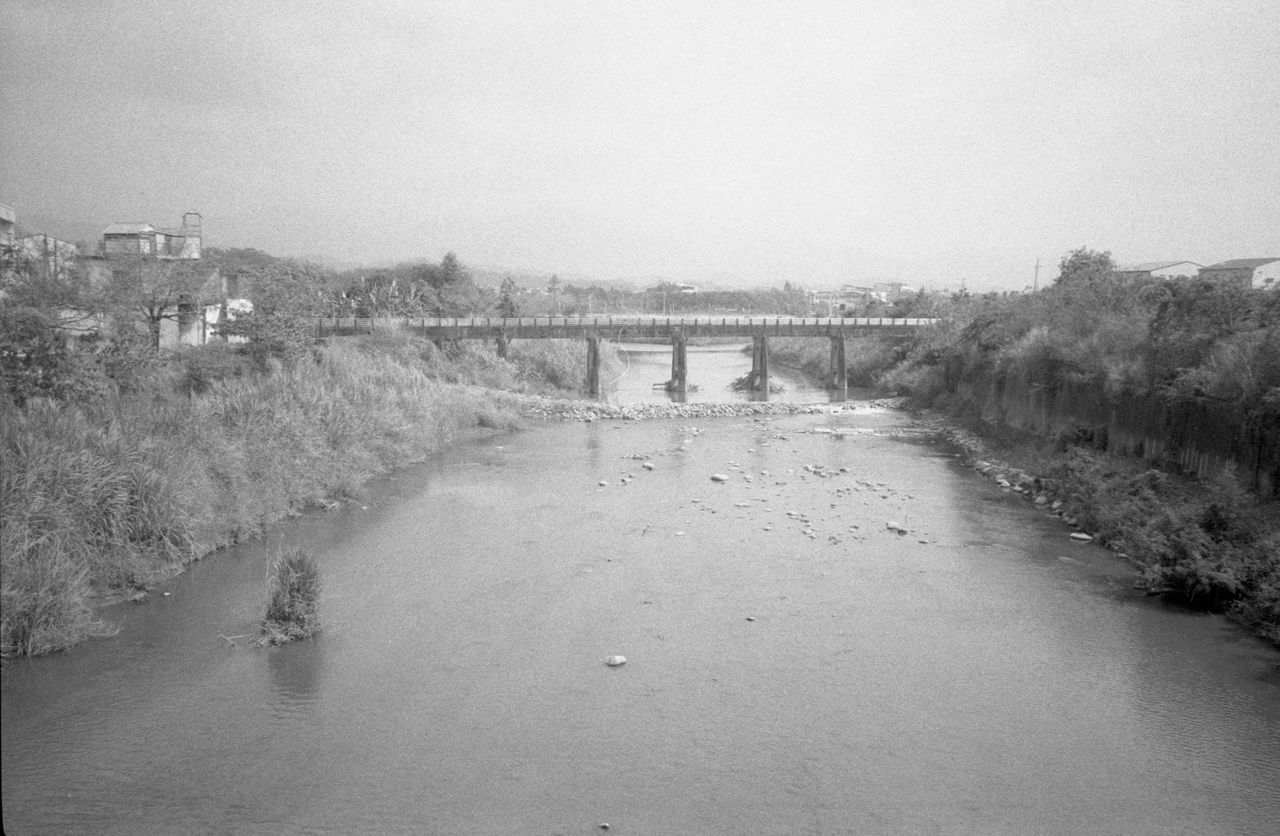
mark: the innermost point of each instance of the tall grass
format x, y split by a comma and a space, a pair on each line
113, 495
293, 598
540, 367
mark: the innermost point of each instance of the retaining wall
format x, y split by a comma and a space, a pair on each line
1200, 436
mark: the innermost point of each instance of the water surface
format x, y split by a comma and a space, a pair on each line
793, 666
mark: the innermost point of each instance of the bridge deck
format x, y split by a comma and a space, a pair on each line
624, 327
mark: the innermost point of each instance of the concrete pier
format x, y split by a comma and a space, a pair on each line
593, 365
679, 363
759, 363
839, 367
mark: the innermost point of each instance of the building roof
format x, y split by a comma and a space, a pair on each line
128, 229
1149, 266
1241, 264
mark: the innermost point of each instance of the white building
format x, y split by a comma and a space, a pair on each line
1159, 270
1256, 273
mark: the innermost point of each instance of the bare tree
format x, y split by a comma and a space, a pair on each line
160, 289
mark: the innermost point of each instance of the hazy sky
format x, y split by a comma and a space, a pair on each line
816, 142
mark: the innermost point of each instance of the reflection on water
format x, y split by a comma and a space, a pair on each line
296, 670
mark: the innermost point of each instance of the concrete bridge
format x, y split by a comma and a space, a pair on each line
677, 329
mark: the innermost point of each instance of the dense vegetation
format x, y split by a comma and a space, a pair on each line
121, 464
1207, 544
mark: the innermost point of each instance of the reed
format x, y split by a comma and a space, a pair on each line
293, 598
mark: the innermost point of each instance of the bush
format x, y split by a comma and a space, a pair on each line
293, 598
36, 363
200, 367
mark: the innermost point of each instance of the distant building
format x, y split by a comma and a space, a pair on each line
143, 239
1256, 273
53, 255
883, 292
1159, 270
8, 220
153, 253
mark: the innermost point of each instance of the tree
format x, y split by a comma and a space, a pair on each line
553, 290
1084, 266
285, 296
507, 306
35, 360
160, 289
456, 293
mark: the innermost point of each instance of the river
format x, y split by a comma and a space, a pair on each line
793, 666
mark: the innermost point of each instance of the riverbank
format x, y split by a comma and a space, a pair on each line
103, 499
1203, 544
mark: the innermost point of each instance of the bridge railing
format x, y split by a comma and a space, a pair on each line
550, 326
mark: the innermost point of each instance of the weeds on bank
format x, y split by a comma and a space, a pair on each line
293, 598
113, 494
1204, 544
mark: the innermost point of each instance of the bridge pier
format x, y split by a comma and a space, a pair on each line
593, 365
839, 367
502, 345
679, 363
759, 379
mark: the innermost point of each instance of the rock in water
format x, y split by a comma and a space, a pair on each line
1081, 536
616, 661
647, 465
719, 477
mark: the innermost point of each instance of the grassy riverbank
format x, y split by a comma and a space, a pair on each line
105, 496
1204, 544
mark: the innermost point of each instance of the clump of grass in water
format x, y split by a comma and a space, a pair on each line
293, 596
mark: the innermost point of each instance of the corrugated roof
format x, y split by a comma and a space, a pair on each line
128, 229
1241, 264
1148, 266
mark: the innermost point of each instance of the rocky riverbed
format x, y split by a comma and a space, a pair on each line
576, 410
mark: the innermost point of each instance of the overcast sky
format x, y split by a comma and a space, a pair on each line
816, 142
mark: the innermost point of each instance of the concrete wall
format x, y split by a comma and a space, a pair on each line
1201, 436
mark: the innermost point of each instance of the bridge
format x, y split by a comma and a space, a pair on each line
677, 329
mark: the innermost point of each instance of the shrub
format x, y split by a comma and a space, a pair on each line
293, 598
199, 367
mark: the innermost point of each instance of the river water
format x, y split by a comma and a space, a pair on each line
793, 665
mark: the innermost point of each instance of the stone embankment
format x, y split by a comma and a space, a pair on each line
1043, 493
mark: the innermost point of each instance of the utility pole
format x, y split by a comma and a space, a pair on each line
1035, 283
